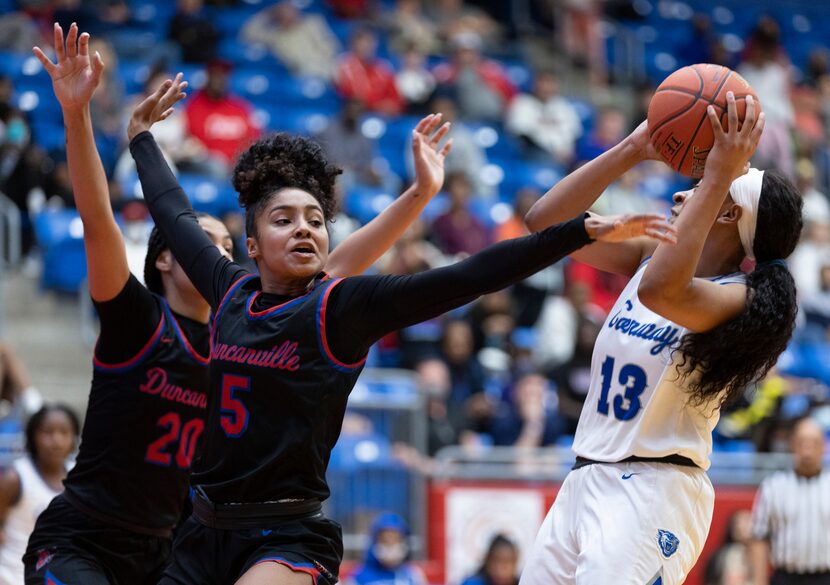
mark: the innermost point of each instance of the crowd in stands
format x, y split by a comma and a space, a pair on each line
513, 368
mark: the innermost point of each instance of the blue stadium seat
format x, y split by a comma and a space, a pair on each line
364, 202
60, 235
208, 195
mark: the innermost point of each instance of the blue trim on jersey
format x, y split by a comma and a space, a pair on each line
239, 282
262, 315
643, 261
50, 579
183, 338
322, 344
137, 359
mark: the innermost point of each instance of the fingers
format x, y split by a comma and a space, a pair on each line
749, 117
59, 48
97, 66
436, 139
664, 237
717, 129
166, 114
446, 150
72, 41
732, 112
423, 123
83, 45
44, 60
758, 130
416, 144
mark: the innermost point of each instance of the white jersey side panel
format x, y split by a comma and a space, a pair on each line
637, 404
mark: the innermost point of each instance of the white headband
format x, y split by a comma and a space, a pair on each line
746, 192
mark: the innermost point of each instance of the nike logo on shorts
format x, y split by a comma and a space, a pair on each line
629, 475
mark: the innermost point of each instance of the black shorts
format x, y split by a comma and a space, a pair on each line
68, 547
210, 556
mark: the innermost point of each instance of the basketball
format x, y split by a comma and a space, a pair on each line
677, 122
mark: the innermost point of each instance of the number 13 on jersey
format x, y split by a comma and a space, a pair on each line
633, 380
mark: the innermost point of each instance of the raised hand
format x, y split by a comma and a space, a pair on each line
429, 159
729, 157
157, 106
77, 73
640, 139
619, 228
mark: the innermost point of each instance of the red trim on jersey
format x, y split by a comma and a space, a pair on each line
249, 309
228, 293
136, 359
189, 348
307, 569
322, 324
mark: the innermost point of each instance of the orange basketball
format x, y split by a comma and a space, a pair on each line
677, 122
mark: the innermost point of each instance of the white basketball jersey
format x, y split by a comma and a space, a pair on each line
35, 495
637, 404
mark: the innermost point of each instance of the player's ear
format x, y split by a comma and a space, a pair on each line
164, 262
253, 248
730, 213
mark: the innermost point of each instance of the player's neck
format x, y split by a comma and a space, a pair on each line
193, 308
713, 262
52, 474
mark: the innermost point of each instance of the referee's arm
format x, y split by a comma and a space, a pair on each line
759, 548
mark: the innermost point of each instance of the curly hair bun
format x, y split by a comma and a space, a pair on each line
281, 160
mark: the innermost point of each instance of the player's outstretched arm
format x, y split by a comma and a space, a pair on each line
578, 191
206, 267
361, 249
368, 308
669, 286
75, 77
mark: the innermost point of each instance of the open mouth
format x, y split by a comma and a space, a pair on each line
304, 250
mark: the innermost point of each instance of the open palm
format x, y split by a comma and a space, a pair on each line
76, 75
429, 159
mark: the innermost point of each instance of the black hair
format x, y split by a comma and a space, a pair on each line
155, 246
498, 541
740, 352
38, 418
280, 161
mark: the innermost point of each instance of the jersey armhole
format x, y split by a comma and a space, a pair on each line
233, 288
137, 358
322, 340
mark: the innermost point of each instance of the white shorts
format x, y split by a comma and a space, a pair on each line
624, 523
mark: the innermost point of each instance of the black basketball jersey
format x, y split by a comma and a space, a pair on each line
272, 369
144, 419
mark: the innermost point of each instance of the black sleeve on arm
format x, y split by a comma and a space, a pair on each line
128, 321
209, 271
365, 308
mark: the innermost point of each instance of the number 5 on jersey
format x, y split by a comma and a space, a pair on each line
234, 418
633, 380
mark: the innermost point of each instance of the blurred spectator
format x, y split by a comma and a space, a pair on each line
106, 105
458, 231
183, 152
481, 86
546, 121
573, 378
466, 375
626, 196
303, 42
350, 8
193, 32
30, 483
729, 564
222, 122
529, 417
701, 45
362, 76
16, 390
57, 187
410, 29
812, 253
788, 530
411, 253
608, 131
584, 44
387, 559
816, 205
467, 155
603, 287
558, 327
456, 16
766, 69
414, 81
18, 32
434, 381
500, 565
492, 318
353, 151
816, 308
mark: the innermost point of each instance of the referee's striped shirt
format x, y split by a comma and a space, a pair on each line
793, 513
